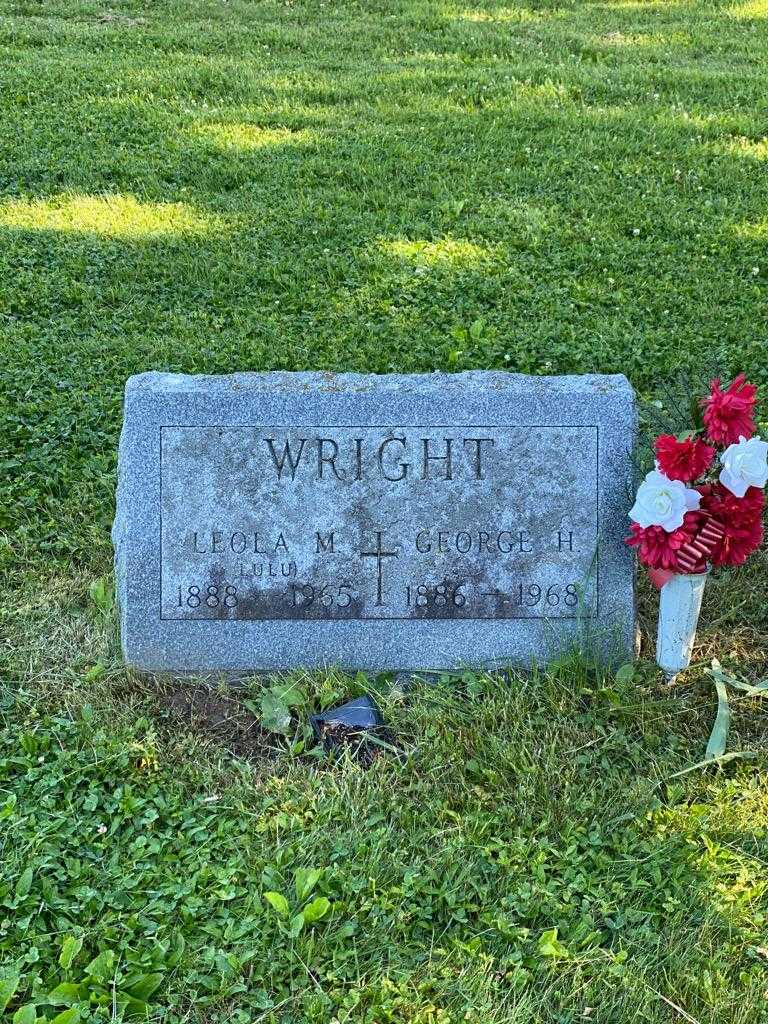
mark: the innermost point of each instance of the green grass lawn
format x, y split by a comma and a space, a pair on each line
400, 186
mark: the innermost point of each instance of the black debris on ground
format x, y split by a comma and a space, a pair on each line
356, 726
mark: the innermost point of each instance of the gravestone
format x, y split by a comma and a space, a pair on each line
272, 520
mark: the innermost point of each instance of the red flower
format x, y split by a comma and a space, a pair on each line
658, 549
729, 415
740, 518
683, 460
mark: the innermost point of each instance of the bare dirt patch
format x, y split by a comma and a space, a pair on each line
220, 718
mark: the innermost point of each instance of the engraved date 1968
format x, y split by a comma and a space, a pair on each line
530, 595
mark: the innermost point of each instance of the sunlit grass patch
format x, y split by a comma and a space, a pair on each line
741, 146
643, 5
756, 229
549, 91
501, 15
451, 252
723, 831
750, 9
251, 136
108, 215
619, 39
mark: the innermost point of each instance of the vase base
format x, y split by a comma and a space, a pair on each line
679, 605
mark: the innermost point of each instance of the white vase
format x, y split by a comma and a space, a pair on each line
679, 606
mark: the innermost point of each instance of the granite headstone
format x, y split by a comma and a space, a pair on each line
272, 520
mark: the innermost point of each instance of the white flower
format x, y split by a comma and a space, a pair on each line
663, 502
744, 465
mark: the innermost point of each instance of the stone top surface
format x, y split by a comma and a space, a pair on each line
322, 381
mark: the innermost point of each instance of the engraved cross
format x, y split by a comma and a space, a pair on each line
379, 554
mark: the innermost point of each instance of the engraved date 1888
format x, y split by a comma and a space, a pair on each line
211, 596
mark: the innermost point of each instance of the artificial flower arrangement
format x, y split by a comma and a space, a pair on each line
702, 505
